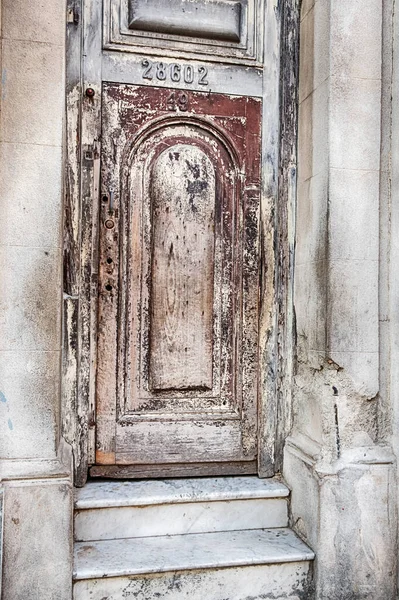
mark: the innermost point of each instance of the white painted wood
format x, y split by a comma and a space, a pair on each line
234, 69
180, 441
276, 581
178, 519
106, 494
119, 558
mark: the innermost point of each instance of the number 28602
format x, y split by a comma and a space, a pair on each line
174, 72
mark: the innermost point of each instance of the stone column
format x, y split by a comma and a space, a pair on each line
336, 459
37, 536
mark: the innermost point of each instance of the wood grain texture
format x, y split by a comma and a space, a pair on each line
180, 441
80, 247
71, 430
277, 238
268, 330
285, 232
177, 365
88, 64
181, 330
174, 470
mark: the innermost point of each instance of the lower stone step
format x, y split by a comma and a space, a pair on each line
235, 565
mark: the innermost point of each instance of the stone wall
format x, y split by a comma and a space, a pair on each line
338, 459
37, 520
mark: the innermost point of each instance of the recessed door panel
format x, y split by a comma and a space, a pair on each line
214, 30
182, 194
178, 305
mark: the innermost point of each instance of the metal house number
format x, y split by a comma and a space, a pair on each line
174, 72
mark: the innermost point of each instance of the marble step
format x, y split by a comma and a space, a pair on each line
263, 563
111, 509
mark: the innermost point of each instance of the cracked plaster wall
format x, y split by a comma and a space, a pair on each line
338, 459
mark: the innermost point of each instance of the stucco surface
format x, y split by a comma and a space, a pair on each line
37, 514
31, 140
336, 461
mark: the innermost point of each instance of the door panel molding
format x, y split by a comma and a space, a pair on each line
215, 19
226, 31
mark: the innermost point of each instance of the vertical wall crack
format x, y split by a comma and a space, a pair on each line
337, 436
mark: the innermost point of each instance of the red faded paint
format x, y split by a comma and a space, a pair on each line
238, 117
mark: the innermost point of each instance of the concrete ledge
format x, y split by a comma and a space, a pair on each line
38, 468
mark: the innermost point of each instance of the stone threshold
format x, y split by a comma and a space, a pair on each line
108, 494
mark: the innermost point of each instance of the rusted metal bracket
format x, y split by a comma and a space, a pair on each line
73, 12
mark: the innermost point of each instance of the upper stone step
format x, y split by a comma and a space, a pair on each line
112, 510
106, 494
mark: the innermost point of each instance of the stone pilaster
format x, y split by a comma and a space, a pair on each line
337, 460
38, 493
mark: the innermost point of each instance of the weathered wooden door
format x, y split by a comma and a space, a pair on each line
171, 168
178, 309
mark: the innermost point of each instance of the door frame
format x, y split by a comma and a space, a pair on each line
277, 226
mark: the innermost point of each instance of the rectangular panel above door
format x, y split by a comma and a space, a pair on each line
213, 30
213, 19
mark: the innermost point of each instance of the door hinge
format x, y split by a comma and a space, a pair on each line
73, 13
